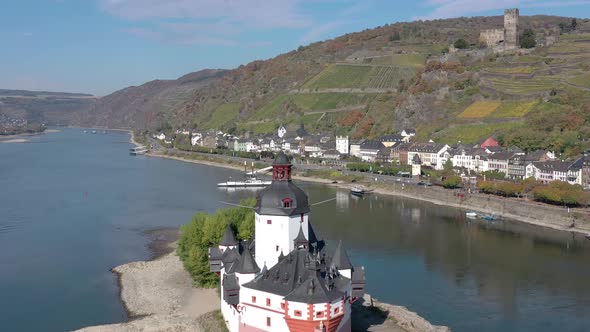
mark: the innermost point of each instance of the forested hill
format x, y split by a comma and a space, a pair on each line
43, 107
379, 80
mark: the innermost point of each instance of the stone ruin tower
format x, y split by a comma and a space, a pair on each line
511, 28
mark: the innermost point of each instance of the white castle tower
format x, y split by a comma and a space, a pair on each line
281, 210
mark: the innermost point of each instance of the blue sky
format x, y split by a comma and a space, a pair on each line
99, 46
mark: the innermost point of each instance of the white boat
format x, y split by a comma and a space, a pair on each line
471, 214
251, 182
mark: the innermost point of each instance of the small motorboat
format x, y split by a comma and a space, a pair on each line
358, 192
489, 217
471, 214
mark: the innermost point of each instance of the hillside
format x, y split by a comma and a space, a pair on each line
379, 80
43, 107
148, 105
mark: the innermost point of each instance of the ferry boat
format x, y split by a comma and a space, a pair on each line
138, 150
250, 182
489, 217
471, 214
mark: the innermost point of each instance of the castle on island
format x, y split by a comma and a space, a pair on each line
284, 279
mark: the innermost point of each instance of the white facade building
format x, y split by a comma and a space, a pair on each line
342, 144
299, 287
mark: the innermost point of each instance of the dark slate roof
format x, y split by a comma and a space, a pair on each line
535, 155
558, 165
500, 156
340, 258
426, 147
302, 276
410, 131
270, 199
385, 152
301, 132
247, 264
215, 254
229, 238
312, 237
371, 145
281, 159
300, 239
391, 138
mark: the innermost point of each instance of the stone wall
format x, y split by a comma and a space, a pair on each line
491, 37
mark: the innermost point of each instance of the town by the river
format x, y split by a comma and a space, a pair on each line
75, 205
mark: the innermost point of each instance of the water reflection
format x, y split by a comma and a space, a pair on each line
505, 275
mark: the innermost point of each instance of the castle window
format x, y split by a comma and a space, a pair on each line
269, 222
319, 314
297, 313
337, 310
283, 306
253, 299
287, 202
268, 302
277, 248
268, 321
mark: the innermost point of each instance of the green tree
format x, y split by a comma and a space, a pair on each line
452, 182
460, 43
527, 39
395, 36
574, 24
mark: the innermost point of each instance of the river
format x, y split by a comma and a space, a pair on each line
73, 205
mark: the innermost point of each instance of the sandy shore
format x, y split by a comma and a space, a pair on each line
159, 296
15, 140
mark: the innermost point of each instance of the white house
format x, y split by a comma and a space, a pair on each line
556, 170
160, 136
431, 154
370, 149
342, 144
284, 279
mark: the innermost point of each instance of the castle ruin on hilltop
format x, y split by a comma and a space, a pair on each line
507, 36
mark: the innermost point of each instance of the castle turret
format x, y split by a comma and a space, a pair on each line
228, 241
281, 211
341, 262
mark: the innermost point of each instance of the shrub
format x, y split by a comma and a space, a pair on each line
205, 230
460, 43
452, 182
527, 39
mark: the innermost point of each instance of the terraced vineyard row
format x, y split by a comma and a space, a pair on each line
356, 76
536, 85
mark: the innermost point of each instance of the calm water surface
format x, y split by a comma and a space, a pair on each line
74, 205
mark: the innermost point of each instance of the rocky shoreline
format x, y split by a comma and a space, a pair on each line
159, 296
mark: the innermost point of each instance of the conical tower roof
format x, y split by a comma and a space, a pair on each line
247, 263
282, 159
228, 238
300, 239
340, 259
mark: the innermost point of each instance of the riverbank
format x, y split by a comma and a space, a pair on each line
23, 138
159, 295
533, 213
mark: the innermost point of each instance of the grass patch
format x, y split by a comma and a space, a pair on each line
259, 127
401, 60
271, 109
581, 80
325, 101
512, 70
522, 86
473, 133
513, 109
222, 115
479, 109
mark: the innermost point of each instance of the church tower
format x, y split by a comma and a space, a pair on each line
281, 211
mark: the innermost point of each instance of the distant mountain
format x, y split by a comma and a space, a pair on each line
43, 107
147, 105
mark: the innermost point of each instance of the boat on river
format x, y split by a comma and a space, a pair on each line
249, 182
138, 150
359, 192
471, 214
489, 217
